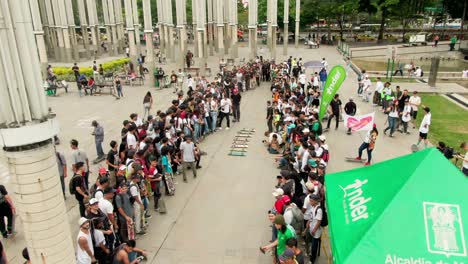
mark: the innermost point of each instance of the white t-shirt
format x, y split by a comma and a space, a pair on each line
190, 83
288, 215
366, 84
379, 86
415, 101
302, 78
106, 207
418, 72
308, 208
82, 256
134, 191
131, 141
99, 237
406, 115
226, 105
315, 81
99, 195
425, 123
188, 151
465, 163
317, 215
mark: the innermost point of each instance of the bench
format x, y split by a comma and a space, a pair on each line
230, 61
103, 86
195, 70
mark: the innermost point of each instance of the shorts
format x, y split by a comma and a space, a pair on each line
423, 135
414, 114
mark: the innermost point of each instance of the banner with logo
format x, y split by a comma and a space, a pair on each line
334, 80
399, 211
358, 123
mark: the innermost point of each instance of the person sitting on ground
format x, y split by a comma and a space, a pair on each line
127, 253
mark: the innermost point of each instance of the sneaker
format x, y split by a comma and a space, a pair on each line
141, 233
227, 128
234, 121
156, 209
148, 216
198, 167
367, 164
5, 235
358, 158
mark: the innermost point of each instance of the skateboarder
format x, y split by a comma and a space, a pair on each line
368, 144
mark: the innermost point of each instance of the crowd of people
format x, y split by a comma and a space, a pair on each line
294, 136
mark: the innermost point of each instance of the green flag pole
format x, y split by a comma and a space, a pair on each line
335, 78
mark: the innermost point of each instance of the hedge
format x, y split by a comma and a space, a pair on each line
66, 73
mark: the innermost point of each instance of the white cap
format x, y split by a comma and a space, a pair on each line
322, 137
82, 221
93, 201
305, 130
278, 192
122, 167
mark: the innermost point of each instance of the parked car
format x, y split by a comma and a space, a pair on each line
390, 37
365, 37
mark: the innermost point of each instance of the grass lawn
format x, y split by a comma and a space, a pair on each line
394, 79
449, 122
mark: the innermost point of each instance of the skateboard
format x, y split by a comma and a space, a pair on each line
241, 140
239, 146
354, 160
414, 148
239, 149
243, 136
248, 129
240, 154
170, 183
97, 160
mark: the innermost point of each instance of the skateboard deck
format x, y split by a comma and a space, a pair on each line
414, 148
354, 160
170, 183
240, 140
240, 154
248, 129
243, 136
239, 146
239, 149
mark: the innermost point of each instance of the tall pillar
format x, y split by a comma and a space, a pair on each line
227, 28
194, 27
136, 25
71, 29
269, 31
48, 25
209, 28
113, 27
148, 32
253, 9
59, 9
220, 26
274, 27
39, 34
201, 32
170, 29
181, 32
233, 24
159, 8
130, 28
27, 140
93, 25
84, 27
119, 25
105, 16
286, 23
298, 18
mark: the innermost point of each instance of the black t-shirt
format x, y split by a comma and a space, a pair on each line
270, 113
123, 134
112, 156
401, 102
79, 182
4, 205
335, 105
236, 98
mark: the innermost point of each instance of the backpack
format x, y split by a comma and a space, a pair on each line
324, 222
130, 197
298, 218
325, 155
71, 188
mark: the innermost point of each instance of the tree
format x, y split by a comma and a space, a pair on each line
385, 7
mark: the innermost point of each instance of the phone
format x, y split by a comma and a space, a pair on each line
140, 258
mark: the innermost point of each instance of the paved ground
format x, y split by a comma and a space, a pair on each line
220, 217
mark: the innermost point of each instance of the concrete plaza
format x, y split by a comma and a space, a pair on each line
220, 217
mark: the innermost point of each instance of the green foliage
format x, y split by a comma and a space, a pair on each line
66, 73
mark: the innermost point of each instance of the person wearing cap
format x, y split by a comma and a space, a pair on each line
288, 257
298, 254
113, 162
280, 198
80, 156
350, 109
424, 127
84, 248
284, 233
98, 134
106, 206
313, 225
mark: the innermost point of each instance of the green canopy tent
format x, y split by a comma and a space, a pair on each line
408, 210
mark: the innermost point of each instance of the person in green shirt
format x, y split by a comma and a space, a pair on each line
453, 41
284, 233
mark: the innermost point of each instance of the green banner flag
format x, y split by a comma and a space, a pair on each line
335, 78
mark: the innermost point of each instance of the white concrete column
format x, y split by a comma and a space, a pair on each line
130, 28
233, 26
27, 142
159, 8
136, 25
71, 29
227, 27
53, 15
50, 40
170, 30
220, 26
93, 25
194, 27
113, 27
298, 19
39, 34
253, 21
119, 25
148, 32
286, 23
84, 27
181, 31
274, 27
209, 28
62, 15
269, 31
105, 16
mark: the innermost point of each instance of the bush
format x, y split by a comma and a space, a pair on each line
66, 73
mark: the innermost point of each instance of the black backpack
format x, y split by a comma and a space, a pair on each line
324, 222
